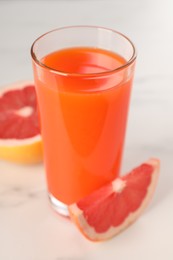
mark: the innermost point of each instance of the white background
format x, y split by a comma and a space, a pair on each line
29, 229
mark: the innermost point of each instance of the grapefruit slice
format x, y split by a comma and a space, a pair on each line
20, 139
112, 208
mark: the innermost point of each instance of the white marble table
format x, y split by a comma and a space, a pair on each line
29, 229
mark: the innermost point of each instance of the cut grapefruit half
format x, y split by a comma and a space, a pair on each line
112, 208
20, 139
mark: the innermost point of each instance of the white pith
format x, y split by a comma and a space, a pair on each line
112, 231
20, 142
23, 112
118, 185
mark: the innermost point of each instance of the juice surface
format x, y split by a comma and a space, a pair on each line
83, 120
83, 60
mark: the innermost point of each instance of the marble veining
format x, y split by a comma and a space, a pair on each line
17, 196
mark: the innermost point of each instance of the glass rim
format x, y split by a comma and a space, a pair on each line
64, 73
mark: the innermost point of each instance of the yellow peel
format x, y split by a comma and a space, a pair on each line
25, 151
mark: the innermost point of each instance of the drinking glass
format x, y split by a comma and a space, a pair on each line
83, 114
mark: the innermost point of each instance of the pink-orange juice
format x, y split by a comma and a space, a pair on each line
83, 114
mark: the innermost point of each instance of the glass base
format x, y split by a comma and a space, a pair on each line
58, 206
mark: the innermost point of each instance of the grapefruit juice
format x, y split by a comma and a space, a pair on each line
83, 114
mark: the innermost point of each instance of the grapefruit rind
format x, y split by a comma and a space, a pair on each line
89, 232
26, 151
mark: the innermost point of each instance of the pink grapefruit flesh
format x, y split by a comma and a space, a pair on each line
113, 207
18, 113
20, 139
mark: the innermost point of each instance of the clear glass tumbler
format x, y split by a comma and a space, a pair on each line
83, 77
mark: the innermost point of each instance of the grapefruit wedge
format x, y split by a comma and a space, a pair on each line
20, 139
112, 208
